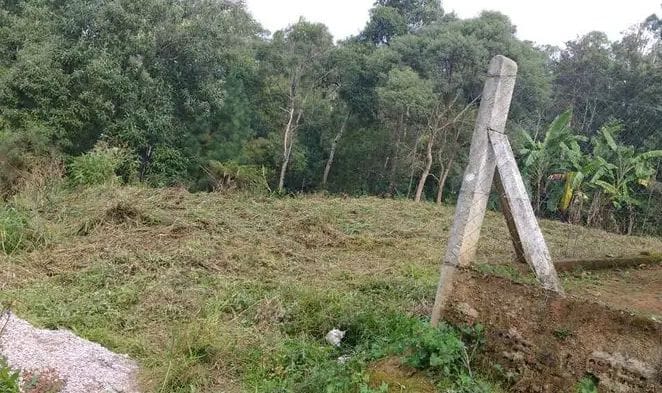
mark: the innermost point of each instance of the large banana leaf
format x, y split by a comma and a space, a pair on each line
609, 138
649, 155
568, 191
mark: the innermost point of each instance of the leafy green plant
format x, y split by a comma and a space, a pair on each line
447, 352
438, 349
97, 166
611, 171
303, 364
229, 176
587, 384
549, 155
623, 167
562, 333
465, 383
9, 379
15, 230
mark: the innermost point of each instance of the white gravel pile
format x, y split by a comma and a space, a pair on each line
84, 366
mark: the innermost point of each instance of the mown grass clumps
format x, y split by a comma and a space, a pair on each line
276, 343
17, 231
234, 293
305, 363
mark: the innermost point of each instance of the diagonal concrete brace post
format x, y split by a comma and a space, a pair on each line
532, 242
478, 176
510, 221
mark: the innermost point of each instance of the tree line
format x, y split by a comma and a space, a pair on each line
197, 93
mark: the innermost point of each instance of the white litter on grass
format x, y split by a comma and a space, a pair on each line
343, 359
334, 337
84, 366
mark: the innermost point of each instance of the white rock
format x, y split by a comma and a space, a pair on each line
334, 337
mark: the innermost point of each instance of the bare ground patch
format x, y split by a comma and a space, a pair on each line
547, 343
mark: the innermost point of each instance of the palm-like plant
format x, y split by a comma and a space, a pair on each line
566, 176
621, 170
551, 155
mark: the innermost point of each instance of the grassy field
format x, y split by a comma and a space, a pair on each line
235, 293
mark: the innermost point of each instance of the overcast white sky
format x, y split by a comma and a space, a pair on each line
545, 22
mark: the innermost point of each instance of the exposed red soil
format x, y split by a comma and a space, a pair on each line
548, 343
634, 289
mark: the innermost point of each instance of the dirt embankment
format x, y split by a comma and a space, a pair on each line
547, 344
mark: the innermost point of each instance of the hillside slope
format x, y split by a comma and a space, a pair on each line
199, 287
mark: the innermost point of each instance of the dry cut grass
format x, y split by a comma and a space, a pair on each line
200, 287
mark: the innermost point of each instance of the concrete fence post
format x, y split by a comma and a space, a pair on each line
490, 150
478, 176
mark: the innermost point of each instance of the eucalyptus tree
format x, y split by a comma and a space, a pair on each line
603, 80
416, 13
298, 59
452, 55
636, 75
393, 18
353, 96
405, 100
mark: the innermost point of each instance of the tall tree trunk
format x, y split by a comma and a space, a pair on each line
288, 142
332, 153
286, 148
584, 127
412, 167
443, 175
145, 160
538, 195
593, 110
445, 170
396, 157
426, 170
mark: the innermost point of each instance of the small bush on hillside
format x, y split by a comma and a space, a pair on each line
24, 157
588, 384
165, 166
230, 176
9, 382
98, 166
15, 230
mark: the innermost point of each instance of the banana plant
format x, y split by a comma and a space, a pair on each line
558, 169
622, 168
612, 170
584, 171
549, 156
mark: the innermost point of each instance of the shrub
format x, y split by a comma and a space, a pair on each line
15, 230
25, 157
97, 166
588, 384
165, 166
9, 382
230, 176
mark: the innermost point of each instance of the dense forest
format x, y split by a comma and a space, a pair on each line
196, 93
